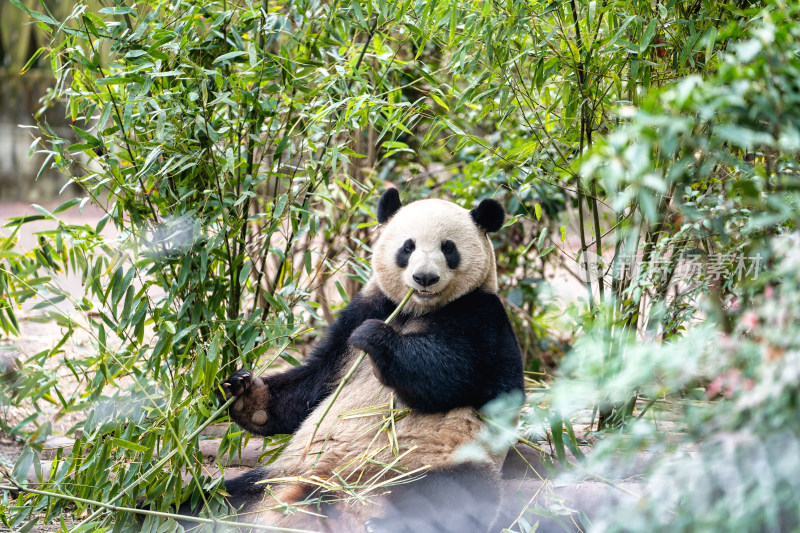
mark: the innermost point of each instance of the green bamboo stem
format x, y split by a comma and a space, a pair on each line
148, 512
190, 438
349, 374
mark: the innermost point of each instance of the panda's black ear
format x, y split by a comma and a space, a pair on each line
388, 205
489, 215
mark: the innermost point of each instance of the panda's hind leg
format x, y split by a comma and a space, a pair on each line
246, 489
243, 492
250, 503
462, 498
282, 505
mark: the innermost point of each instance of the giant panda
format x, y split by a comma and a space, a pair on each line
448, 353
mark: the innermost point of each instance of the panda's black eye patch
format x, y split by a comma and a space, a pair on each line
404, 253
451, 255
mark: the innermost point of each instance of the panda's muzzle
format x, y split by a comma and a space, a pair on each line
425, 280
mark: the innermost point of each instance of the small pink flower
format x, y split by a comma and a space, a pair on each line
728, 383
749, 320
714, 388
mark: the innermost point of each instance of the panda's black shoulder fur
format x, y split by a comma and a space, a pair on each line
462, 354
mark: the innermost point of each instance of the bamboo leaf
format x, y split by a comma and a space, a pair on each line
128, 445
231, 55
647, 36
31, 61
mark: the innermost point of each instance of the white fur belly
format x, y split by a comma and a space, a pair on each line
359, 440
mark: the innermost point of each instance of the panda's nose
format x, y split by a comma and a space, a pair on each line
426, 280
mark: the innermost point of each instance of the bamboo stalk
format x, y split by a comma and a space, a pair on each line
148, 512
349, 374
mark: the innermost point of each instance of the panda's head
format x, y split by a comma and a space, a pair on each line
435, 247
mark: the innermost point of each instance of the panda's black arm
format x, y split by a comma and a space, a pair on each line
467, 355
290, 396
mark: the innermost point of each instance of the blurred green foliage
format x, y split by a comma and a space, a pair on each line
712, 439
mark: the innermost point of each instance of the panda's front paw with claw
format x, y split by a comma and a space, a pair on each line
236, 385
371, 335
252, 398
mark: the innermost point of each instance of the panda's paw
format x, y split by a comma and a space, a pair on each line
373, 526
371, 335
236, 384
252, 398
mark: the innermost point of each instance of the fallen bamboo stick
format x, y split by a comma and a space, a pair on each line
148, 512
